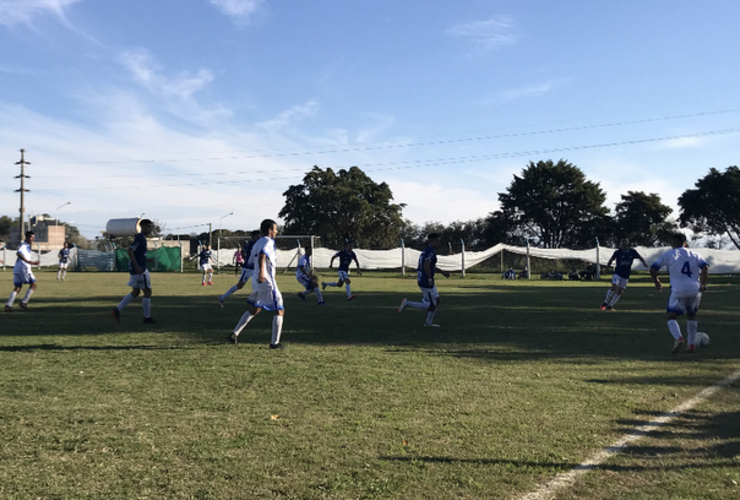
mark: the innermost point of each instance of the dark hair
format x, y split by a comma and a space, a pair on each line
679, 238
267, 225
256, 233
29, 233
146, 222
433, 236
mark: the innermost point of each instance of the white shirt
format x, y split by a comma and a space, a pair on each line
304, 262
20, 264
684, 267
264, 245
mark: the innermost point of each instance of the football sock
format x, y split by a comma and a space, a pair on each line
418, 305
64, 274
430, 317
29, 292
615, 299
333, 283
674, 329
317, 291
692, 327
204, 278
243, 321
277, 329
210, 276
126, 301
13, 295
147, 305
228, 293
608, 297
349, 290
59, 274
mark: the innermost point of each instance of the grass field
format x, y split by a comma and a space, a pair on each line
525, 380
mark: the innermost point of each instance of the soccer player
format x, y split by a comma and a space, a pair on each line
237, 261
205, 257
688, 273
306, 278
425, 279
22, 274
624, 255
247, 267
346, 257
140, 279
265, 293
63, 261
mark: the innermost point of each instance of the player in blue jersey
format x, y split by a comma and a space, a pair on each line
265, 293
22, 274
247, 267
623, 256
346, 257
425, 279
63, 261
140, 279
307, 278
688, 273
205, 257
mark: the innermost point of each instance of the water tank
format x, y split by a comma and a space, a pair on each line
123, 227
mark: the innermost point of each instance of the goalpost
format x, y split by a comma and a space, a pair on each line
289, 245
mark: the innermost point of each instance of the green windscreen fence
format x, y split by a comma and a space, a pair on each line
161, 259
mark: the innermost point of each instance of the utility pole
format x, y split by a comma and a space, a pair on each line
22, 190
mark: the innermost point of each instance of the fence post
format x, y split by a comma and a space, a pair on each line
38, 254
312, 249
598, 264
462, 243
156, 257
218, 254
403, 258
182, 259
529, 267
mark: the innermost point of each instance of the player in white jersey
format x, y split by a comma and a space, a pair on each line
247, 266
688, 273
265, 293
305, 277
22, 274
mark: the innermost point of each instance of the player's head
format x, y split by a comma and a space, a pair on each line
678, 240
66, 244
308, 251
30, 236
349, 245
208, 247
146, 226
256, 235
269, 228
624, 244
434, 239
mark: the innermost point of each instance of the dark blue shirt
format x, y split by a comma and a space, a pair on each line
139, 248
63, 255
205, 256
246, 252
624, 261
345, 259
429, 254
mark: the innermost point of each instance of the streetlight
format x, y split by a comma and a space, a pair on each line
57, 210
220, 232
220, 223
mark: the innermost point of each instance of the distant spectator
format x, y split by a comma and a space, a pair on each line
510, 274
574, 275
524, 274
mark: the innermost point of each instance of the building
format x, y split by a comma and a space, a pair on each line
50, 235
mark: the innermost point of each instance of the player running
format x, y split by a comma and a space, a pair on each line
205, 257
624, 256
306, 278
425, 279
688, 273
22, 274
265, 293
63, 261
247, 267
140, 279
346, 257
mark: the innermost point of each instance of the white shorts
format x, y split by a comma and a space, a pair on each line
245, 275
430, 295
206, 268
305, 281
63, 265
266, 296
343, 275
619, 281
25, 277
143, 280
683, 304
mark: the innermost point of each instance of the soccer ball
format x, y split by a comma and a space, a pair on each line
702, 339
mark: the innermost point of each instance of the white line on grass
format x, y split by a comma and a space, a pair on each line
561, 481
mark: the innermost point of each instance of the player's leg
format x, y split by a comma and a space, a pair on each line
675, 309
29, 292
433, 297
59, 273
315, 287
277, 329
64, 272
610, 293
18, 286
210, 276
692, 326
615, 297
242, 280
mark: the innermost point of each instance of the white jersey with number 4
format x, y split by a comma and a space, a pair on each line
684, 267
266, 246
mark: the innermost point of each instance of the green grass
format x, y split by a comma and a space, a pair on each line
524, 381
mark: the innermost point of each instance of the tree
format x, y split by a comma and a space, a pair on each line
714, 206
343, 205
554, 205
643, 219
5, 224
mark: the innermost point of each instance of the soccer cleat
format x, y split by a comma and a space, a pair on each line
350, 297
323, 286
150, 321
322, 303
8, 309
302, 297
203, 284
691, 348
603, 306
210, 283
404, 305
23, 306
610, 308
232, 337
276, 346
680, 342
433, 325
116, 314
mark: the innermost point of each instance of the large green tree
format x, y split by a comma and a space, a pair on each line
341, 205
554, 205
714, 206
643, 218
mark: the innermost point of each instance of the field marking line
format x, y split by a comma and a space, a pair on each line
566, 479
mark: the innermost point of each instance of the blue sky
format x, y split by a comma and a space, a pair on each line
187, 111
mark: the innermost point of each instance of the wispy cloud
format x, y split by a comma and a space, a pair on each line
292, 115
240, 10
486, 35
24, 11
146, 70
534, 90
684, 142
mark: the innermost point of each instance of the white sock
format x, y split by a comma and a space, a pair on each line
430, 317
277, 329
674, 329
229, 292
210, 277
418, 305
691, 328
243, 321
126, 301
147, 305
64, 274
317, 291
608, 296
29, 292
204, 278
615, 298
10, 301
59, 274
349, 290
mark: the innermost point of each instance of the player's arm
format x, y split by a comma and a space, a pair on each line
654, 276
703, 278
331, 262
428, 273
359, 271
137, 267
446, 274
263, 268
24, 259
